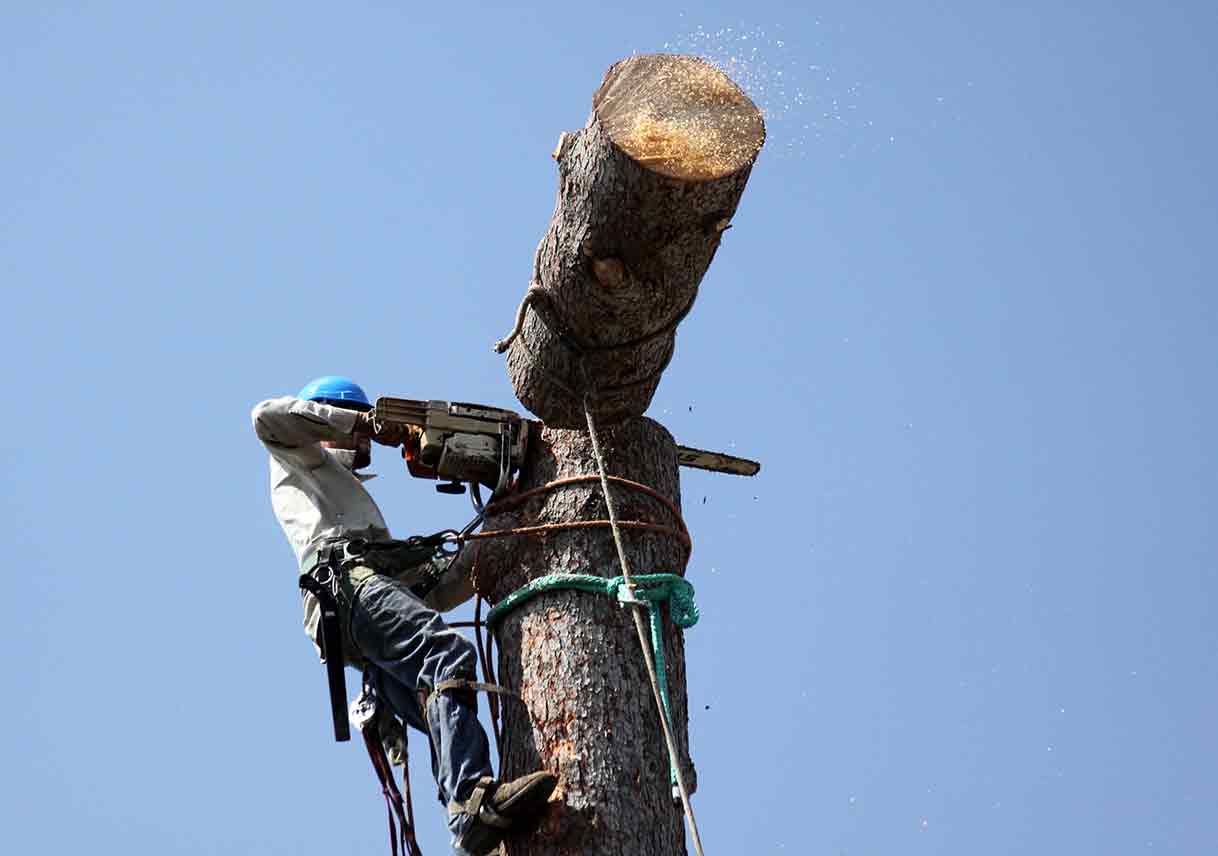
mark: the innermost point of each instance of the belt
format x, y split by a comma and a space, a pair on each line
392, 557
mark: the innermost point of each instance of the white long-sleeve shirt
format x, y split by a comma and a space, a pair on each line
316, 496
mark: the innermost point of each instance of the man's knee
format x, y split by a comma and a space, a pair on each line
456, 658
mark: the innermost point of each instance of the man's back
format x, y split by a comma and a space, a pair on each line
315, 495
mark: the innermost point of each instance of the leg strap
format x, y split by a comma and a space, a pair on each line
462, 684
473, 686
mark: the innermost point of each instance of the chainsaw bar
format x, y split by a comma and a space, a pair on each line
716, 462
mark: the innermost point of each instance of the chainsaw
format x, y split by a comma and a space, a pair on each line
479, 445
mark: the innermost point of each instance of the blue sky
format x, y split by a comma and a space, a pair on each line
967, 607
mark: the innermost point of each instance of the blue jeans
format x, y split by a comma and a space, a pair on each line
410, 648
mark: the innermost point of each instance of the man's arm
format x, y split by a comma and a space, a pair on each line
456, 584
291, 426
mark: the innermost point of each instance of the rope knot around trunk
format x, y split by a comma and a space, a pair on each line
648, 590
653, 588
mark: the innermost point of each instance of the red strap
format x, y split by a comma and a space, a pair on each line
409, 830
393, 797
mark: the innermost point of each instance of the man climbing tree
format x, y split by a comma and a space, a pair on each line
387, 594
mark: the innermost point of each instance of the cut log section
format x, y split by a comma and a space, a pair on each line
646, 190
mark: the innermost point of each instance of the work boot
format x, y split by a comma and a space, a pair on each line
499, 809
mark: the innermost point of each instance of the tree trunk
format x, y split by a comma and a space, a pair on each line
646, 190
574, 657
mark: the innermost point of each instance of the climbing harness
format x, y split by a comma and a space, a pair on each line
331, 573
333, 560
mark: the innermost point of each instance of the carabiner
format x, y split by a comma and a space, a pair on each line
451, 542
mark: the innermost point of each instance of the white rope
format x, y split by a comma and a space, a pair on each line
534, 292
670, 742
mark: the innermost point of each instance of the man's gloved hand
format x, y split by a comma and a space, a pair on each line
386, 435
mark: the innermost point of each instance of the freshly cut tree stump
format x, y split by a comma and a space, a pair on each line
574, 657
646, 190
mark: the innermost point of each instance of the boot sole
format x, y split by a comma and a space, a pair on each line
530, 799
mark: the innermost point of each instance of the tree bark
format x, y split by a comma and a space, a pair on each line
646, 190
574, 658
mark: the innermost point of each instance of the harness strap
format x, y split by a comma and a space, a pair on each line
335, 560
476, 686
458, 684
331, 574
331, 653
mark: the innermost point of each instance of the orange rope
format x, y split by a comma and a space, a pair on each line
507, 503
584, 524
510, 502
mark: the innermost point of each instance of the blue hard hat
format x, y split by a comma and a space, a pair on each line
337, 390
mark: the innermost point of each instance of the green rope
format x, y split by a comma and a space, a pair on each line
652, 588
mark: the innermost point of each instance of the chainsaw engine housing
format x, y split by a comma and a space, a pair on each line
459, 442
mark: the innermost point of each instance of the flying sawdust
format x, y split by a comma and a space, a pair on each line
681, 116
805, 103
